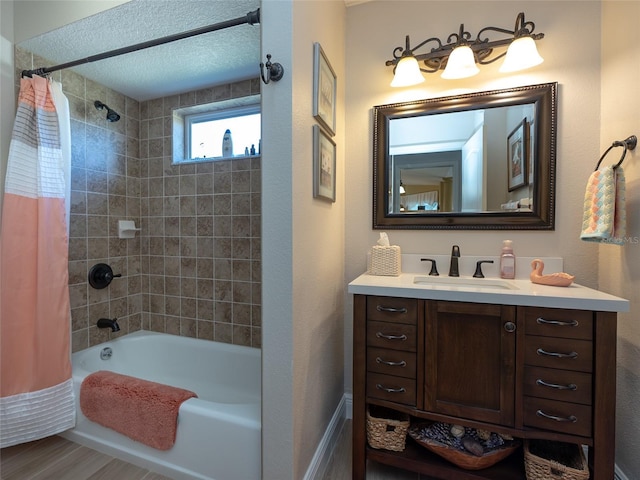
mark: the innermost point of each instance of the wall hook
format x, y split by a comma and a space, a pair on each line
275, 71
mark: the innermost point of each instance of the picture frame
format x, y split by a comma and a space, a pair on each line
518, 157
324, 165
324, 90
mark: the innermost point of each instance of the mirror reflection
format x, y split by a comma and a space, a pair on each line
458, 162
482, 160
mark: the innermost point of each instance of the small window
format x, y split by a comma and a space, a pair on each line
204, 133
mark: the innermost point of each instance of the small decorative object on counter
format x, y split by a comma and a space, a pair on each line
546, 459
507, 260
386, 428
560, 279
385, 259
253, 149
465, 447
227, 144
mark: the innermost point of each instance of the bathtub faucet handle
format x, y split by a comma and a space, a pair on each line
100, 276
109, 323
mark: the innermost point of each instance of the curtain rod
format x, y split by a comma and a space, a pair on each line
251, 18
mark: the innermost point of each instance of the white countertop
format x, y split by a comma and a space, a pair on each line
526, 293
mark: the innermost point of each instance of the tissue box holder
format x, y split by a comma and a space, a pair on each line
385, 260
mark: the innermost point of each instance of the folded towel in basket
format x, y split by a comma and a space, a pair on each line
604, 218
142, 410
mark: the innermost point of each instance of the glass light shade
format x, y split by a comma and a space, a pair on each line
407, 73
461, 64
521, 54
402, 190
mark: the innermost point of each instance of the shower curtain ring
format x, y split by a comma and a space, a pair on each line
275, 71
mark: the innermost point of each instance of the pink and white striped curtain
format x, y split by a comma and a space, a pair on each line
36, 389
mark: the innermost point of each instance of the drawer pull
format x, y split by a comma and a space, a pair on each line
571, 386
391, 364
390, 390
560, 323
381, 308
571, 355
402, 337
570, 418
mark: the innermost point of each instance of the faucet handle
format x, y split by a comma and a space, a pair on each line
434, 269
478, 273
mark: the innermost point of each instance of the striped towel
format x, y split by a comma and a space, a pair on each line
604, 218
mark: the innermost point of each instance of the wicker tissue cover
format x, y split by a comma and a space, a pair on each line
386, 428
437, 438
549, 460
385, 260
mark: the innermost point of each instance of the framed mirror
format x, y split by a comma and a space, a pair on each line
476, 161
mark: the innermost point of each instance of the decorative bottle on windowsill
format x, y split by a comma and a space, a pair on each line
227, 144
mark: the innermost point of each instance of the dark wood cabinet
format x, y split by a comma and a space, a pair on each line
530, 372
469, 361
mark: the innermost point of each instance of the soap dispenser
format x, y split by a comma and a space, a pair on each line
507, 261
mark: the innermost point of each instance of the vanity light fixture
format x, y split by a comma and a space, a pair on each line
460, 55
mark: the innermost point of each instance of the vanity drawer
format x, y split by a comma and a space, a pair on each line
391, 309
556, 322
391, 388
559, 353
564, 385
564, 417
391, 362
396, 336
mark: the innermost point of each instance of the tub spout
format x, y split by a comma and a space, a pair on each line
109, 323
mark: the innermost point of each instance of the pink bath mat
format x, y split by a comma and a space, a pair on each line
142, 410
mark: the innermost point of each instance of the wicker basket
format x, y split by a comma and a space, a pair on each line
386, 428
385, 260
548, 460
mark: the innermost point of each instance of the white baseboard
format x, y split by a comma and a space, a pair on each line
321, 458
619, 475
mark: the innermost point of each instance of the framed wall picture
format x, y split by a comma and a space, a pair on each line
324, 90
517, 156
324, 165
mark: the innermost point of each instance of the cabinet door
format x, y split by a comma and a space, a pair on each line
470, 361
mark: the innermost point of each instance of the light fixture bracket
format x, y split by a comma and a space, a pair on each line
483, 46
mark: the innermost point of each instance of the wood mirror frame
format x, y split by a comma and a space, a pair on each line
541, 216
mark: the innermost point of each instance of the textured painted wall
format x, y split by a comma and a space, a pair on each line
619, 271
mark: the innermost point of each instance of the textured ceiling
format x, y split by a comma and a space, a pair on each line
197, 62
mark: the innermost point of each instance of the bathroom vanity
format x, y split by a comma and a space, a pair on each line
508, 356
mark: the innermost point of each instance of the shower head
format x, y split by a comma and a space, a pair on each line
112, 115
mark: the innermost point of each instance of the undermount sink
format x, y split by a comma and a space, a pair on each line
481, 283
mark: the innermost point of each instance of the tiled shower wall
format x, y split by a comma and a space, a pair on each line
194, 269
201, 254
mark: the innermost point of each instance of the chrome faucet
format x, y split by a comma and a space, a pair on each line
453, 266
109, 323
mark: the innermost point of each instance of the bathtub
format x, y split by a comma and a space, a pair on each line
219, 433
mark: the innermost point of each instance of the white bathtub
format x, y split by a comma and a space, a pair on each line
219, 433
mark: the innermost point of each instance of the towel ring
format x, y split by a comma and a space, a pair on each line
628, 143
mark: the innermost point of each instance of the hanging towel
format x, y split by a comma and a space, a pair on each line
36, 388
604, 218
142, 410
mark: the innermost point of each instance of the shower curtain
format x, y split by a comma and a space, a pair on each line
36, 389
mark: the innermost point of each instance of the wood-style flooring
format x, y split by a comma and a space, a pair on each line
56, 458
